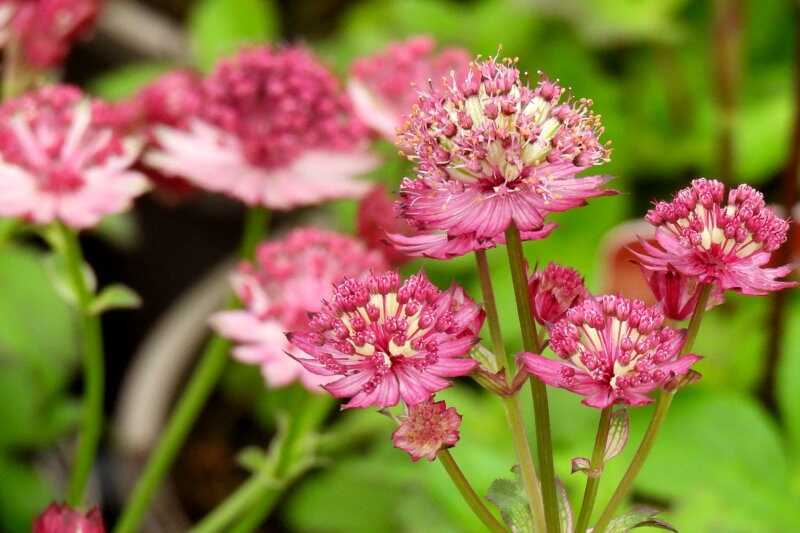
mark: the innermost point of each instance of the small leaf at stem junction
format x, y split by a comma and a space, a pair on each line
642, 517
617, 434
114, 297
509, 497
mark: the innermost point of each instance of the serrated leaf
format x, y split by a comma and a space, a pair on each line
643, 517
564, 508
220, 27
580, 464
114, 296
510, 499
618, 432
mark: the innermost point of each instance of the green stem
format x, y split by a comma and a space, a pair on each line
659, 415
468, 493
92, 352
532, 343
201, 383
595, 471
511, 405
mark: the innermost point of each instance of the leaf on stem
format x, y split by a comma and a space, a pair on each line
564, 508
617, 434
642, 517
114, 296
509, 497
580, 464
56, 268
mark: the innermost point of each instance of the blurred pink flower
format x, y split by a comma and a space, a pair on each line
491, 151
677, 294
376, 218
387, 341
56, 163
426, 429
553, 291
288, 280
727, 245
60, 518
384, 86
614, 350
274, 129
46, 29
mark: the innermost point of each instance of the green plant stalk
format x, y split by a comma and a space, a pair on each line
511, 405
92, 364
468, 493
256, 497
596, 470
531, 343
201, 383
659, 415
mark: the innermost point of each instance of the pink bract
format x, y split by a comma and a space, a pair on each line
426, 429
61, 518
491, 151
388, 341
724, 244
274, 130
287, 281
58, 164
553, 291
612, 350
384, 86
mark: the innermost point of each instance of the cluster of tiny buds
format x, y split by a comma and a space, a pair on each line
697, 216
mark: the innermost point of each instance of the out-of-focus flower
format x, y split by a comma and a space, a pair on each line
384, 86
288, 280
45, 29
274, 129
677, 294
613, 350
386, 341
426, 429
491, 151
727, 245
56, 163
60, 518
553, 291
376, 218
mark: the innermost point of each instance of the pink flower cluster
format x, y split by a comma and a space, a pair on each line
279, 289
383, 86
58, 163
553, 291
388, 341
493, 152
44, 30
612, 350
274, 129
426, 429
60, 518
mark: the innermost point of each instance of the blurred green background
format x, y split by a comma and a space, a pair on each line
685, 89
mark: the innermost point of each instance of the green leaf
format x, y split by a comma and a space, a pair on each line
617, 434
114, 296
220, 27
638, 518
123, 82
509, 497
56, 268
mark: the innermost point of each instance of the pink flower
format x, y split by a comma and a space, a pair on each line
279, 289
388, 341
677, 294
56, 163
384, 86
491, 152
60, 518
727, 245
613, 350
375, 219
46, 29
553, 291
274, 130
426, 429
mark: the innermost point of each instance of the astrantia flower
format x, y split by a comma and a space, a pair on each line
726, 245
491, 151
553, 291
274, 129
279, 289
384, 86
56, 163
45, 29
612, 350
376, 218
677, 294
60, 518
386, 341
426, 429
171, 99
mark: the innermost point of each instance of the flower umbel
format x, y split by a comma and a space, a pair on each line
56, 163
427, 428
388, 341
492, 151
724, 244
613, 350
553, 291
278, 291
60, 518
